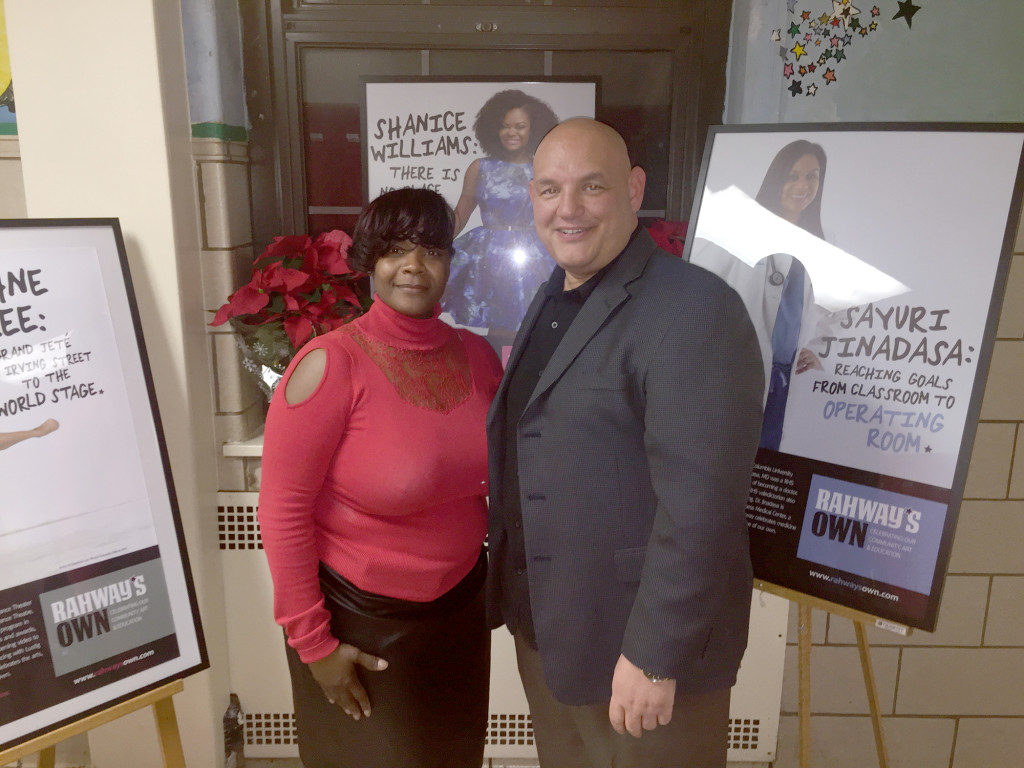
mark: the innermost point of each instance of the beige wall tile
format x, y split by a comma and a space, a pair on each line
12, 189
210, 149
10, 148
1017, 475
235, 427
819, 625
230, 473
223, 273
238, 150
1003, 400
961, 681
225, 194
989, 473
253, 468
1011, 319
988, 536
849, 742
253, 473
1005, 625
989, 743
837, 682
961, 619
235, 388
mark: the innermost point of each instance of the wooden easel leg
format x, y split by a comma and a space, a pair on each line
170, 738
804, 694
48, 757
872, 691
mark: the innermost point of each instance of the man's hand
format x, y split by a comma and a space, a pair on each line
807, 361
337, 676
637, 704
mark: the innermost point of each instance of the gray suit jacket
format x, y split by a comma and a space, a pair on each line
635, 452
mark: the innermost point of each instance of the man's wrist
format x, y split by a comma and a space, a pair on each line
654, 677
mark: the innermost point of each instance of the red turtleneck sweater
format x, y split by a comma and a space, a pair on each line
381, 473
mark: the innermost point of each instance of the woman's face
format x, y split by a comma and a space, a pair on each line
514, 133
410, 277
801, 187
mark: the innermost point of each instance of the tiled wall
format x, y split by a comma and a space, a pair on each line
954, 698
12, 188
222, 179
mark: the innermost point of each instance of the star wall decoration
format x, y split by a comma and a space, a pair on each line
906, 11
832, 33
845, 11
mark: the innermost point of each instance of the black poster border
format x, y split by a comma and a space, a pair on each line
778, 566
166, 648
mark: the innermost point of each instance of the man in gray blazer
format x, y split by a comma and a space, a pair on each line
621, 443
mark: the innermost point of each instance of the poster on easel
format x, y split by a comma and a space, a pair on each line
472, 140
873, 270
96, 597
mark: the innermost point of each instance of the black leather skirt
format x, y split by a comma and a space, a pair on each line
429, 707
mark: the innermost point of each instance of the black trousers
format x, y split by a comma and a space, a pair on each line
429, 707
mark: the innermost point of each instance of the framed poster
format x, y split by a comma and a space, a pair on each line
873, 271
473, 140
96, 598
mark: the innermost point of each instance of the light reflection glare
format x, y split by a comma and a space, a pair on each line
732, 220
519, 257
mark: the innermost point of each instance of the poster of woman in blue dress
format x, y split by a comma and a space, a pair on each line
498, 266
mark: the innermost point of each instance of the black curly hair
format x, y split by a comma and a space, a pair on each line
488, 120
417, 215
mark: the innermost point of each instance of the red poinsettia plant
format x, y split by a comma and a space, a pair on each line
300, 288
669, 235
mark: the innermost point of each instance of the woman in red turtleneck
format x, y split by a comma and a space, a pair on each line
373, 512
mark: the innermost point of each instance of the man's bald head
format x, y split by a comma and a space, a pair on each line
585, 196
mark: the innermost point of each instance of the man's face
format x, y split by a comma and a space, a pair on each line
585, 197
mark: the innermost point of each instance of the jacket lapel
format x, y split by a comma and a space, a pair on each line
611, 292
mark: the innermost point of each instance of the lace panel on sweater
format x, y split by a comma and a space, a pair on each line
437, 379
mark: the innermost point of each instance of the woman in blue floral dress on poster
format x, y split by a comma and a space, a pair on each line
497, 268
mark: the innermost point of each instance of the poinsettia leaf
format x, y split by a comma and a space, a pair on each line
285, 247
299, 330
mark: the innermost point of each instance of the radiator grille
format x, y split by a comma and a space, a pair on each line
515, 728
237, 527
264, 728
744, 734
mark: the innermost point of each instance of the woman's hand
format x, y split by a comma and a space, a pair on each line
337, 676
